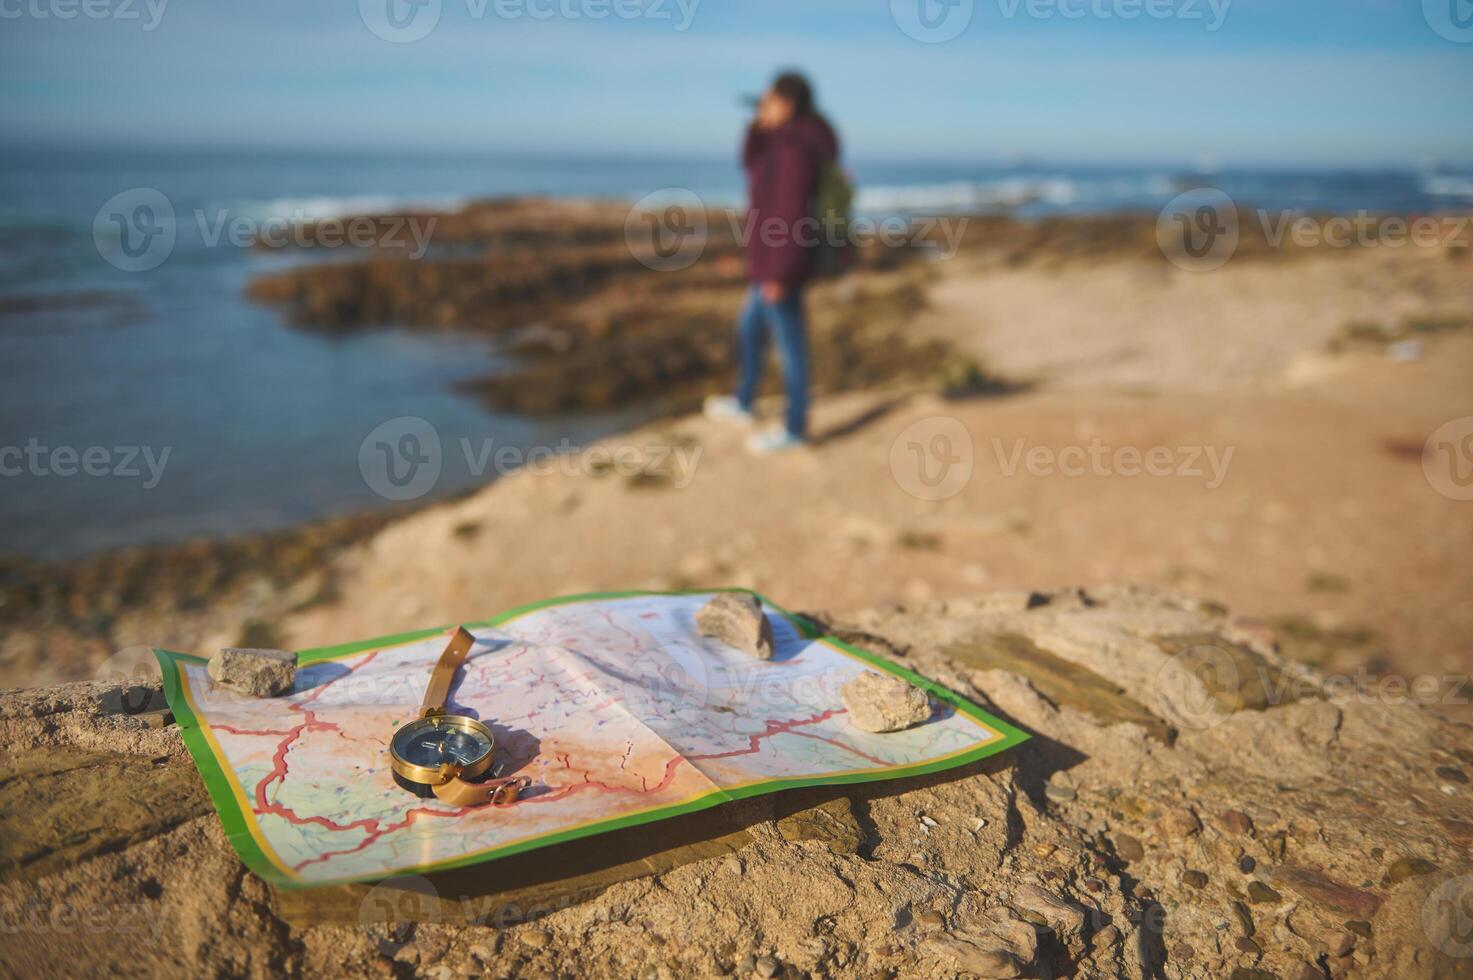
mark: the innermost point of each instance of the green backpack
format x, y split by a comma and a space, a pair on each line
832, 204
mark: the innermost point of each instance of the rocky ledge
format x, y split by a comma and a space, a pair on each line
1192, 804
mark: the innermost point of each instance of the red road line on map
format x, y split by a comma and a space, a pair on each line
753, 746
279, 767
609, 615
378, 832
278, 771
602, 787
247, 731
847, 748
773, 728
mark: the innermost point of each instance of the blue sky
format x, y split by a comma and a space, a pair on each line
1357, 83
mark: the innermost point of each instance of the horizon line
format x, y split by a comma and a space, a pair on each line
1202, 164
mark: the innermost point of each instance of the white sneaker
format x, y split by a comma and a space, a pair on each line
725, 408
774, 441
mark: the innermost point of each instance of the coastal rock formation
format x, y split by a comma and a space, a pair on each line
65, 621
736, 618
1320, 836
592, 321
881, 703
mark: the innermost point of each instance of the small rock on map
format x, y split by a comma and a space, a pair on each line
736, 618
258, 673
878, 703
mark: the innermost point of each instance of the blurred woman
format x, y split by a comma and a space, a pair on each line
787, 148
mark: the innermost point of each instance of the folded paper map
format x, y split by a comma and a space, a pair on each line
614, 706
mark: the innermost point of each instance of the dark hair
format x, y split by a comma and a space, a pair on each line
795, 88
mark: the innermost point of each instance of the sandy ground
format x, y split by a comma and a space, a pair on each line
1150, 326
1288, 479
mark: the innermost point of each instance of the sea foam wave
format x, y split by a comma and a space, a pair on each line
301, 209
1011, 192
1447, 185
965, 195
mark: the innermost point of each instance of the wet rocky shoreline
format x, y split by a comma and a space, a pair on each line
590, 322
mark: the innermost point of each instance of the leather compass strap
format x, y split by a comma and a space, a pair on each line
443, 675
458, 792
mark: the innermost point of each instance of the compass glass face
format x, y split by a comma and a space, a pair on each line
434, 742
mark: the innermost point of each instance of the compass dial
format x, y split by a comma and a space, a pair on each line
433, 742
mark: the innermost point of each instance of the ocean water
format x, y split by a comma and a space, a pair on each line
104, 370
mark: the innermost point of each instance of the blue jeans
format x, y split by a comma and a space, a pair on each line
785, 319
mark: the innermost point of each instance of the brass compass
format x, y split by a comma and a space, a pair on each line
444, 755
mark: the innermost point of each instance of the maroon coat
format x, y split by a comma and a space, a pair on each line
783, 166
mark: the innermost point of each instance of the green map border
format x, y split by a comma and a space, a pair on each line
219, 782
